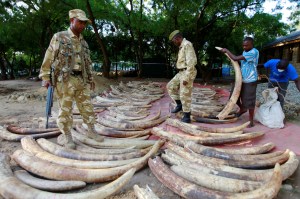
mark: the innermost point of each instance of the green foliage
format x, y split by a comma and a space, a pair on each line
132, 30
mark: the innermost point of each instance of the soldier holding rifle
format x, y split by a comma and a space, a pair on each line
69, 57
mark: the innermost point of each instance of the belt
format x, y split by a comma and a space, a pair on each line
182, 69
76, 73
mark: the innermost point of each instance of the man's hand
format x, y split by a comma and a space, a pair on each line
184, 83
46, 83
92, 84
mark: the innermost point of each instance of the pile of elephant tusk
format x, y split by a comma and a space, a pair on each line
190, 165
192, 169
128, 113
139, 94
67, 169
124, 151
206, 107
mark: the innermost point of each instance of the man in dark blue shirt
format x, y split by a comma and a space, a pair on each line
281, 72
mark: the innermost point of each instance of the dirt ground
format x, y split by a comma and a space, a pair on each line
23, 113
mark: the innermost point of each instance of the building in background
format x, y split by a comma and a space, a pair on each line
287, 47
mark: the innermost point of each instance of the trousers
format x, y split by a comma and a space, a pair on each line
67, 92
178, 91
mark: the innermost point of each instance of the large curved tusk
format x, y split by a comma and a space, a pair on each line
235, 163
224, 130
215, 182
77, 155
288, 168
110, 131
192, 129
58, 172
31, 146
178, 184
10, 187
214, 121
236, 91
214, 152
26, 131
182, 138
268, 190
112, 143
47, 185
138, 121
126, 125
141, 193
242, 151
124, 117
130, 113
5, 134
85, 148
174, 159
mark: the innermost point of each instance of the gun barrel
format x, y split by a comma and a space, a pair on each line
49, 104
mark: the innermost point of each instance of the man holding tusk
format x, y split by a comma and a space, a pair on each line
249, 61
180, 87
68, 61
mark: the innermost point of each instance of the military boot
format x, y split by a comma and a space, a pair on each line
178, 107
69, 143
186, 117
91, 133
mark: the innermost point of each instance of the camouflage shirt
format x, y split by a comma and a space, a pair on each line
67, 53
187, 59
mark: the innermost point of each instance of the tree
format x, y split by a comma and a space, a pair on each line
133, 29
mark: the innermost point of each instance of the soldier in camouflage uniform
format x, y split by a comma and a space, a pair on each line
180, 87
68, 61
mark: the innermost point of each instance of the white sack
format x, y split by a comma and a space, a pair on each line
270, 112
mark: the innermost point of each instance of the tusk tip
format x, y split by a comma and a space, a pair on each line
218, 48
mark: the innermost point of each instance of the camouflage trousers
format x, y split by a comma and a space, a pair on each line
68, 92
178, 91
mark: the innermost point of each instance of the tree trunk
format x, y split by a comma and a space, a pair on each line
8, 66
106, 61
140, 40
3, 67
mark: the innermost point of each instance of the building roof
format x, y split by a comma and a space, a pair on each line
280, 41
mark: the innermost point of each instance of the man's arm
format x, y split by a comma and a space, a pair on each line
297, 82
48, 60
232, 56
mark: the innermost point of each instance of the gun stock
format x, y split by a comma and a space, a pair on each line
49, 104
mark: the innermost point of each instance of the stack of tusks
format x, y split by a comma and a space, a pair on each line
199, 171
72, 167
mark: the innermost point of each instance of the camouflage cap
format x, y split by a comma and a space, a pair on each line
79, 14
171, 36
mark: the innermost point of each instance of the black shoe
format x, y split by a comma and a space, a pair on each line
186, 117
177, 108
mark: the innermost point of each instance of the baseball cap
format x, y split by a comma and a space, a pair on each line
79, 14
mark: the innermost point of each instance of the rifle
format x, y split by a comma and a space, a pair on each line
49, 103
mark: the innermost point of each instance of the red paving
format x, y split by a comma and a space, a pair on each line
285, 138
